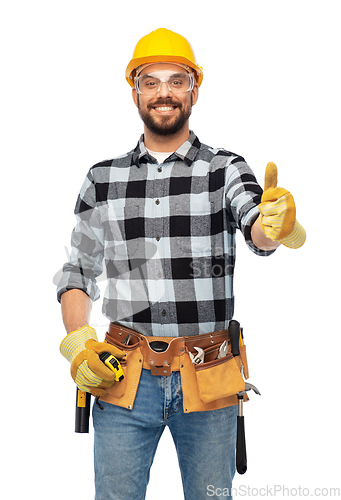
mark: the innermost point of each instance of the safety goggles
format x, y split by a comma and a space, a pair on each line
177, 82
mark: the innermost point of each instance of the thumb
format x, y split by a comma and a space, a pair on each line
270, 180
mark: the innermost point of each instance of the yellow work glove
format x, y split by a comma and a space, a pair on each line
278, 212
81, 348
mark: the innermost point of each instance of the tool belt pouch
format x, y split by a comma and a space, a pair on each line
211, 385
123, 393
215, 383
219, 379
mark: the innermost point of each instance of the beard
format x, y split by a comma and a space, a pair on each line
165, 125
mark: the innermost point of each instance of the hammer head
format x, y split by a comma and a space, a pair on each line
249, 387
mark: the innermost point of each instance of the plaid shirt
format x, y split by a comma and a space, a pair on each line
167, 236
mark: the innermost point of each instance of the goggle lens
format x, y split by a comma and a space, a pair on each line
177, 83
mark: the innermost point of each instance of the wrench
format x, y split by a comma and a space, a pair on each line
199, 357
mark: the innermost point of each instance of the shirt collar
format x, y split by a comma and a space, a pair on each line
187, 152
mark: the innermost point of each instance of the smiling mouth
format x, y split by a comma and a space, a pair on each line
164, 109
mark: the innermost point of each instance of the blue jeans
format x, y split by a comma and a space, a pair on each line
126, 441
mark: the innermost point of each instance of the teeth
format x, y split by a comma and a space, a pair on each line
165, 108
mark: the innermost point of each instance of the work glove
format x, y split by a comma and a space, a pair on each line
81, 348
278, 212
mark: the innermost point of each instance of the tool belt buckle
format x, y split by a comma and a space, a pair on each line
159, 358
158, 355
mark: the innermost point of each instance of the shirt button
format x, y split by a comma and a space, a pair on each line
157, 202
158, 238
164, 312
159, 169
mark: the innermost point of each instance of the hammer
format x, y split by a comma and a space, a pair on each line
241, 461
234, 334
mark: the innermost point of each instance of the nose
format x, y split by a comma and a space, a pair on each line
164, 90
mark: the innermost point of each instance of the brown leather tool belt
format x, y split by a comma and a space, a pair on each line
210, 385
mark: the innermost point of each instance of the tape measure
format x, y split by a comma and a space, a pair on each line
113, 364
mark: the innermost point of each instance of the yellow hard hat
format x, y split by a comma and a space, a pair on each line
163, 45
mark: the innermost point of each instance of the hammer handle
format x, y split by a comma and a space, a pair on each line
241, 460
234, 333
83, 402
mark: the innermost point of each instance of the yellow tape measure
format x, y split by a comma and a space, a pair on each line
113, 364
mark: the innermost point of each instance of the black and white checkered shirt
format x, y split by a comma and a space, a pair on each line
167, 236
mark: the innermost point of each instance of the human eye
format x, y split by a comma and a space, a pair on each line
149, 82
178, 81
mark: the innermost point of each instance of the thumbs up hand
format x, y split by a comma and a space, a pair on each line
278, 212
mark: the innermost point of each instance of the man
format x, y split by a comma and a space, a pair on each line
163, 217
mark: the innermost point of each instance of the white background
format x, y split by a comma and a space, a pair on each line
271, 92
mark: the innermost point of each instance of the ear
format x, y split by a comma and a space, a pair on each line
195, 94
135, 97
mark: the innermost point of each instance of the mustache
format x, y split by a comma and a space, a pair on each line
164, 102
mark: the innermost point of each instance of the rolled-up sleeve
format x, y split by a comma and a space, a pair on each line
243, 195
86, 257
